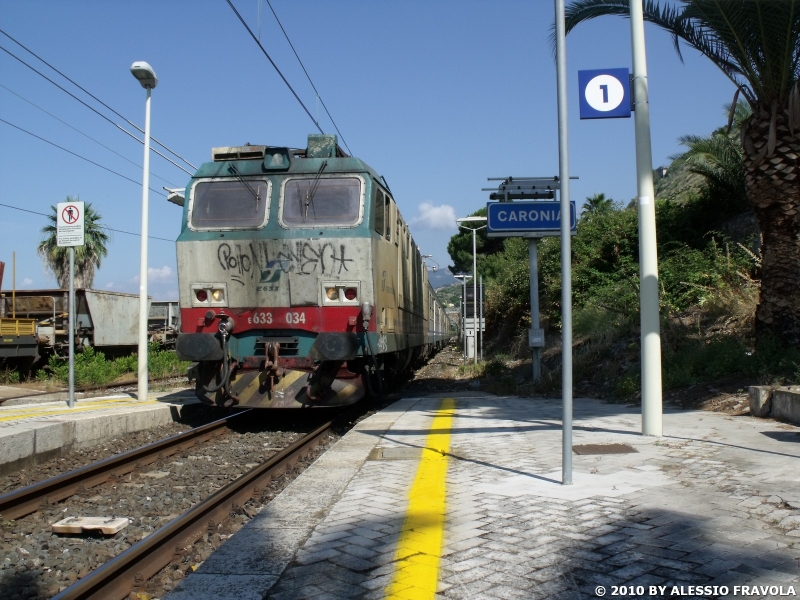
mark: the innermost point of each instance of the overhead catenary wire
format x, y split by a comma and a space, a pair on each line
272, 62
94, 110
82, 133
139, 183
87, 92
33, 212
286, 35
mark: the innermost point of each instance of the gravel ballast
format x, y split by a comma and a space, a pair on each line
37, 563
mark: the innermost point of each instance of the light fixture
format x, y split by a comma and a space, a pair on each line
145, 74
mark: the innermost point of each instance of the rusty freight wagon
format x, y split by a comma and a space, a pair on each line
107, 321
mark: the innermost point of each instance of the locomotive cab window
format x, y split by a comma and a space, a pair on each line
317, 201
380, 215
224, 204
388, 207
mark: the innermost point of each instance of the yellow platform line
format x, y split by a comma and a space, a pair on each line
30, 413
419, 548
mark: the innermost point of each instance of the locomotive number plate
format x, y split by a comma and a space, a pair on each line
266, 318
260, 318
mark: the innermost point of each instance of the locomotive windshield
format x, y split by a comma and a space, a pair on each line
229, 204
315, 201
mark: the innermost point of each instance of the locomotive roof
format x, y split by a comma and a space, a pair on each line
253, 160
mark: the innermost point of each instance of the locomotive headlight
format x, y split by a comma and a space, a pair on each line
340, 293
205, 294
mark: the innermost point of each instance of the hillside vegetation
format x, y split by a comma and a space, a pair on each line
709, 279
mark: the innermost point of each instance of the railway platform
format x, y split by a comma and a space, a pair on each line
460, 497
44, 427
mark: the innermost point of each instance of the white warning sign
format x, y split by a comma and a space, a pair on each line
69, 224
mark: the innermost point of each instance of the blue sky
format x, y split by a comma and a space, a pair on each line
437, 96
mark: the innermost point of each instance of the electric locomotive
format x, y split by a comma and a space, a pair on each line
300, 283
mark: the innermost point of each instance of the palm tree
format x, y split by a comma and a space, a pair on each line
87, 257
595, 204
756, 44
719, 158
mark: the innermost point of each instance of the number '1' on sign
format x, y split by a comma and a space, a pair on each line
604, 93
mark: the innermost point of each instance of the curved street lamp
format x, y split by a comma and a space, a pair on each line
147, 77
475, 322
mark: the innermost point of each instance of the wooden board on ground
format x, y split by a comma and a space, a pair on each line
109, 526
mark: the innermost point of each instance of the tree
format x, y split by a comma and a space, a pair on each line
596, 203
460, 246
87, 257
720, 160
756, 44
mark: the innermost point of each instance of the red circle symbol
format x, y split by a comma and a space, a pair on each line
70, 214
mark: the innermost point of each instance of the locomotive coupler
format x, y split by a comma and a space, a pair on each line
272, 371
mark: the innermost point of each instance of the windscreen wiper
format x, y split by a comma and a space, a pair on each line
312, 189
255, 193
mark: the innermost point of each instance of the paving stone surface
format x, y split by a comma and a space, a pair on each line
715, 502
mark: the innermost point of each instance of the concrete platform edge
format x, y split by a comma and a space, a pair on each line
28, 443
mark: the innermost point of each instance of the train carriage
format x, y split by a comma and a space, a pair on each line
300, 283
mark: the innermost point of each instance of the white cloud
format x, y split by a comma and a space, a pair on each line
156, 275
162, 274
110, 285
27, 281
441, 217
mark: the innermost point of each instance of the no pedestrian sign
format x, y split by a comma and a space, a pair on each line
69, 224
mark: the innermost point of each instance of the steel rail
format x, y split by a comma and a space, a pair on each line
130, 571
36, 496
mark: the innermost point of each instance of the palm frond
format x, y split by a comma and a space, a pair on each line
755, 43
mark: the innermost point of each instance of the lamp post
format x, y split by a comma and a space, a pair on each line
475, 324
146, 76
463, 277
434, 269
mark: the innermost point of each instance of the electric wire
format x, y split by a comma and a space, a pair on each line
83, 134
79, 156
85, 91
33, 212
272, 62
94, 110
286, 35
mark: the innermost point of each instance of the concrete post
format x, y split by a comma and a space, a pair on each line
648, 258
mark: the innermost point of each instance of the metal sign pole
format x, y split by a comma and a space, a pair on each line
71, 319
474, 298
566, 247
533, 256
70, 232
480, 320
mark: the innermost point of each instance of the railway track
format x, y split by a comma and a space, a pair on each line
129, 572
133, 569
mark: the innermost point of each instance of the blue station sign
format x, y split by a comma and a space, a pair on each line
605, 94
520, 218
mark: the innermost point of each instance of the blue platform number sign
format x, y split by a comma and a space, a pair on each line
605, 94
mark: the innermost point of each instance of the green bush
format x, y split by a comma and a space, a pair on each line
93, 369
9, 376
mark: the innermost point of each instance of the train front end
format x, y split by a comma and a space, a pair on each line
275, 276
